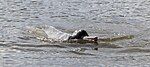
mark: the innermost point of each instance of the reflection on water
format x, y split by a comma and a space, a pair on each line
120, 25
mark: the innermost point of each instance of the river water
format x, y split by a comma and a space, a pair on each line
102, 18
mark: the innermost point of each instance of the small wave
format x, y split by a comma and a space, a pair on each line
42, 45
131, 50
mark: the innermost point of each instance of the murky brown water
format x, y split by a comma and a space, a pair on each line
121, 25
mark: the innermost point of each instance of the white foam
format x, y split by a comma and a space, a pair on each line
48, 32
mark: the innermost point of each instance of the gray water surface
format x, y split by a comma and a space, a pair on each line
102, 18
